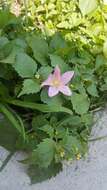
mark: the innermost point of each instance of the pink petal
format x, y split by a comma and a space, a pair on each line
65, 90
57, 73
48, 81
67, 76
52, 91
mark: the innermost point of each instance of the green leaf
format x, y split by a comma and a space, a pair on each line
45, 153
11, 49
72, 146
73, 120
3, 42
103, 87
92, 90
87, 6
39, 121
9, 52
30, 86
25, 65
58, 42
57, 100
57, 60
41, 107
100, 61
60, 132
6, 17
80, 103
48, 130
14, 119
39, 48
80, 87
5, 52
64, 24
87, 119
8, 134
19, 42
44, 72
38, 174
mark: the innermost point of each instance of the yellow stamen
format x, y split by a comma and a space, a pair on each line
78, 156
55, 83
62, 154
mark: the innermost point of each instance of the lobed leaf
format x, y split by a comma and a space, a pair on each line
25, 66
30, 86
80, 103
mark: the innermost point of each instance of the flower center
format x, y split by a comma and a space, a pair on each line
55, 83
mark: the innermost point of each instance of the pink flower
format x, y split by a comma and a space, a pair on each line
58, 83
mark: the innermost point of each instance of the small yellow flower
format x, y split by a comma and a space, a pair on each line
37, 76
62, 153
78, 156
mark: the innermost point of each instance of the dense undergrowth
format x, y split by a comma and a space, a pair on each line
73, 36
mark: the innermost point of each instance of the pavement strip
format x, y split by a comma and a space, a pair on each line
90, 173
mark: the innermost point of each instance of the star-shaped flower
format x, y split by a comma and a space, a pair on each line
58, 83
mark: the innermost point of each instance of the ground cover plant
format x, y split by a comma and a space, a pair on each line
50, 121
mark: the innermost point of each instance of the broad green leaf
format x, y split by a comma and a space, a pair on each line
87, 6
72, 146
5, 52
71, 121
60, 132
6, 17
80, 87
48, 129
57, 60
38, 174
87, 119
100, 61
58, 42
80, 103
44, 72
19, 42
92, 90
9, 52
11, 49
57, 100
45, 153
39, 48
24, 65
30, 86
3, 41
